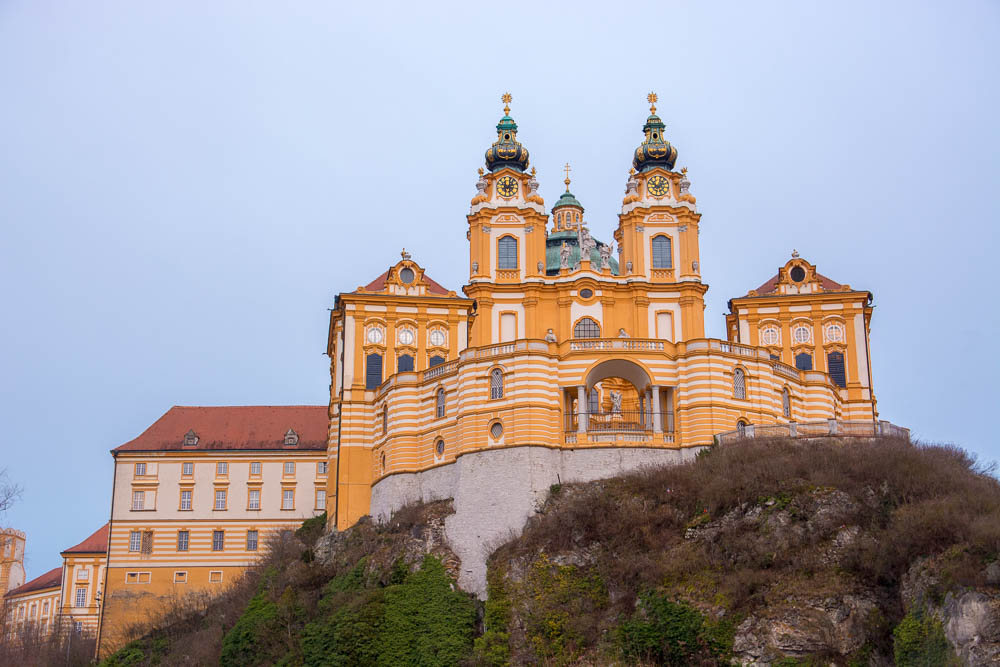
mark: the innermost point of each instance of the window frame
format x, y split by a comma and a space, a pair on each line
218, 540
740, 383
183, 540
439, 403
225, 500
140, 469
138, 500
654, 247
256, 539
582, 328
506, 244
80, 597
186, 494
253, 495
187, 469
222, 468
134, 541
259, 469
320, 504
496, 381
371, 381
284, 496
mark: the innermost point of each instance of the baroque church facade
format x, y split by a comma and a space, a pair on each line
565, 360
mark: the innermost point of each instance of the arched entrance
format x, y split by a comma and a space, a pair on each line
618, 401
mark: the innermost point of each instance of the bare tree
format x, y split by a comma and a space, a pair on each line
9, 492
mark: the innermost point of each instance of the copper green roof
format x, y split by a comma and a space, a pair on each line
567, 199
553, 244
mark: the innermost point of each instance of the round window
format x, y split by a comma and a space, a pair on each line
586, 293
798, 274
439, 447
375, 335
835, 333
406, 276
506, 137
406, 336
437, 338
496, 430
801, 334
655, 135
769, 336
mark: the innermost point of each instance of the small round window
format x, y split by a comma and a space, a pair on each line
655, 135
496, 430
406, 276
798, 274
586, 293
506, 137
439, 447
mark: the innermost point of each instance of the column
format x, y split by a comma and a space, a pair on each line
670, 409
581, 409
657, 421
649, 408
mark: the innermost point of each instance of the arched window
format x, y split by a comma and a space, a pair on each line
496, 383
739, 383
741, 429
440, 403
507, 253
662, 257
436, 360
804, 361
373, 370
385, 419
404, 364
586, 328
786, 402
835, 365
594, 401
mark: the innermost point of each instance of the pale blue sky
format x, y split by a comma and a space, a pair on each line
185, 186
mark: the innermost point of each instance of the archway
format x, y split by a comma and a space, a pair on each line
617, 397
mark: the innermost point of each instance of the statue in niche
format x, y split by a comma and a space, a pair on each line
564, 256
616, 402
550, 336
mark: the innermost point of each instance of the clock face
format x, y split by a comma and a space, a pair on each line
437, 338
375, 335
658, 186
507, 186
406, 336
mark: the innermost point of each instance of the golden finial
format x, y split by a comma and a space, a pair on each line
684, 171
480, 172
567, 170
404, 254
631, 171
532, 172
506, 98
651, 98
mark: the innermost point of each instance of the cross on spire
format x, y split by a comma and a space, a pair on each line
506, 98
651, 98
567, 170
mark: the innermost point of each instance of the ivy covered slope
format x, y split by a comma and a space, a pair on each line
764, 553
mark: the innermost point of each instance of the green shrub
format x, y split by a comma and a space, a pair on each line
493, 647
427, 621
347, 636
668, 632
919, 641
243, 644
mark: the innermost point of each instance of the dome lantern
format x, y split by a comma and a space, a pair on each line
655, 150
568, 211
506, 151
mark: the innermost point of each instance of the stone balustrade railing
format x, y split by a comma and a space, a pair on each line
830, 428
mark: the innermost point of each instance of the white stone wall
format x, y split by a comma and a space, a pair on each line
496, 491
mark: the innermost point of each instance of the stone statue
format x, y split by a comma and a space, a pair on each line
564, 256
587, 242
606, 251
623, 334
616, 402
550, 336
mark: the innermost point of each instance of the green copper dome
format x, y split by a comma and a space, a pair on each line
567, 199
655, 150
506, 151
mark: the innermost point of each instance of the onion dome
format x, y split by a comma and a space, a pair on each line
655, 150
506, 151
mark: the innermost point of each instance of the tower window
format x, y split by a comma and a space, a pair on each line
804, 361
404, 364
786, 403
373, 370
586, 328
662, 257
496, 383
739, 383
440, 403
507, 253
835, 365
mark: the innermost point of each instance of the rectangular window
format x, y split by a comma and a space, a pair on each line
288, 499
183, 538
140, 469
31, 611
83, 574
508, 327
253, 502
665, 326
507, 253
255, 469
185, 500
289, 468
221, 469
321, 499
81, 597
134, 541
662, 257
220, 499
45, 608
373, 370
215, 577
251, 540
180, 577
187, 468
322, 467
138, 500
147, 543
137, 577
78, 627
218, 540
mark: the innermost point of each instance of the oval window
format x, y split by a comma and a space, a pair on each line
439, 448
798, 274
496, 430
406, 276
586, 293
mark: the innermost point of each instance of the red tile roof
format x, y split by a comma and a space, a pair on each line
96, 543
433, 287
771, 285
51, 579
240, 427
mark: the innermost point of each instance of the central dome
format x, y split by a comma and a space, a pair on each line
506, 151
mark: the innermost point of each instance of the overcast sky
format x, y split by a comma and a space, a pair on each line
185, 186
